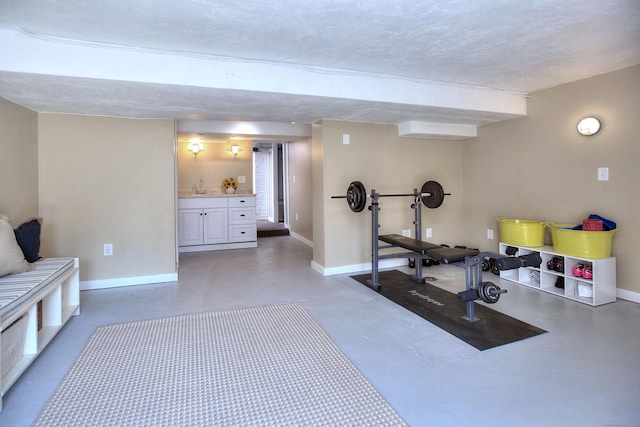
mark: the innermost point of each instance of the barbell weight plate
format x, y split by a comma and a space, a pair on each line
489, 292
356, 196
436, 194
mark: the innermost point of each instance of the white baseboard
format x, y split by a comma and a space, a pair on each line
357, 268
219, 247
88, 285
301, 239
628, 295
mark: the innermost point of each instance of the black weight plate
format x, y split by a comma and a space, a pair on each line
356, 196
436, 194
489, 292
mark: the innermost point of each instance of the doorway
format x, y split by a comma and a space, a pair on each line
269, 183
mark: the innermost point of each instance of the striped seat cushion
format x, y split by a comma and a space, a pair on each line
16, 288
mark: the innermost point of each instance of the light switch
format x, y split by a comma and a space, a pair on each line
603, 174
345, 139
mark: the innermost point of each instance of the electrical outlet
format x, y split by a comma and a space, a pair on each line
108, 249
489, 234
429, 233
406, 233
242, 179
296, 217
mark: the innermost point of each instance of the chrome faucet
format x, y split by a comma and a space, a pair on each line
201, 189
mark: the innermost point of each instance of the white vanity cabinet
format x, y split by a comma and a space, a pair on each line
202, 226
214, 223
242, 219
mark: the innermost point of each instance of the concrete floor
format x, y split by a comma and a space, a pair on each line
584, 372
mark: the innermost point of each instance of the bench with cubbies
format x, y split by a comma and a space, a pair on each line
34, 306
598, 290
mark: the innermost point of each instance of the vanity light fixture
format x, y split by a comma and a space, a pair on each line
235, 149
195, 147
589, 126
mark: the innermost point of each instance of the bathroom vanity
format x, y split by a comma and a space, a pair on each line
214, 222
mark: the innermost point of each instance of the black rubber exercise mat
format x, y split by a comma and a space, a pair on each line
443, 309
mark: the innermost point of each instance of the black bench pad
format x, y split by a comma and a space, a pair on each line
408, 243
439, 253
451, 255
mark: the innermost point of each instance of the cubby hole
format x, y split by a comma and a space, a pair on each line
572, 263
51, 316
552, 282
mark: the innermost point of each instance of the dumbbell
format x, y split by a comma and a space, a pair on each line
509, 263
493, 264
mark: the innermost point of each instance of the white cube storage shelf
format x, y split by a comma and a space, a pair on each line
600, 289
27, 328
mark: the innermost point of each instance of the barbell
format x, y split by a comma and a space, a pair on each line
431, 194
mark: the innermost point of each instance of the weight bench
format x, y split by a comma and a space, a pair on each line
475, 287
419, 250
442, 254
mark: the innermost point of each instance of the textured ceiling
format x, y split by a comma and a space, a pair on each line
285, 60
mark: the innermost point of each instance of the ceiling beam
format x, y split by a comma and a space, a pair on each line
24, 53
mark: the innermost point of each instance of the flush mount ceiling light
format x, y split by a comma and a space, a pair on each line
589, 126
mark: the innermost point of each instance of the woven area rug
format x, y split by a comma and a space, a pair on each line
253, 367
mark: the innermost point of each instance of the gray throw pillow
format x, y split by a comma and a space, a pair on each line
11, 257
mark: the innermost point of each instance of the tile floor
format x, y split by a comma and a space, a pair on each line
584, 372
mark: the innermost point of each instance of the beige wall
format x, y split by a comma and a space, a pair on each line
300, 184
108, 180
317, 194
539, 167
215, 164
383, 161
18, 162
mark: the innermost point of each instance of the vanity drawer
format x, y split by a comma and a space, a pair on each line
242, 233
242, 215
239, 202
